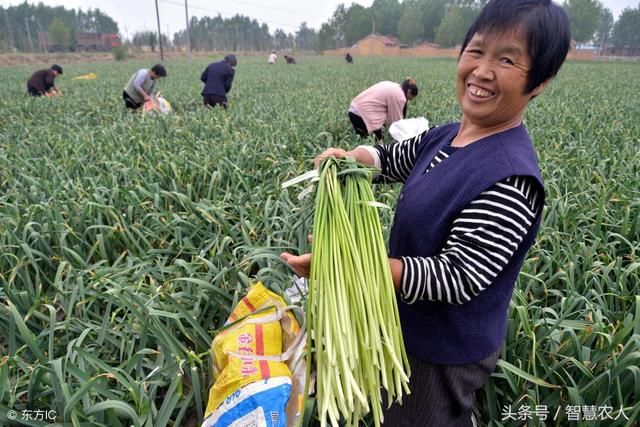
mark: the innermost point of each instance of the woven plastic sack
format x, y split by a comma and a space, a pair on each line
261, 343
163, 105
408, 128
157, 104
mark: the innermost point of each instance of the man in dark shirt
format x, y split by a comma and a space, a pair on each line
217, 79
289, 59
41, 82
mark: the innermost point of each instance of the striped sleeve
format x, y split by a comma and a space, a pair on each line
481, 242
397, 159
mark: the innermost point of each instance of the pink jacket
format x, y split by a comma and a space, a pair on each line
380, 104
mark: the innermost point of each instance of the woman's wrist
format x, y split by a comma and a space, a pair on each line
365, 155
397, 267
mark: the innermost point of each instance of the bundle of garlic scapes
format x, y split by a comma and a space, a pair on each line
351, 308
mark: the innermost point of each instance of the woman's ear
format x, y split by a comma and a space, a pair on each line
538, 90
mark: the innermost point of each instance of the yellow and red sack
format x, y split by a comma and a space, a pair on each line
261, 341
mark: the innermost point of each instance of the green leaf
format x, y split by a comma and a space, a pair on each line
508, 367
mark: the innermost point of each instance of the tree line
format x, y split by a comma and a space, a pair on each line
239, 33
443, 22
19, 25
412, 22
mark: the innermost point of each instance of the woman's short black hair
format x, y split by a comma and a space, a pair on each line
546, 28
159, 70
56, 68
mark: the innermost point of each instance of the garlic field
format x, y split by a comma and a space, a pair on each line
126, 239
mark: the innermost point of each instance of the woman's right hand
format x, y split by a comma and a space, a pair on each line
359, 154
338, 153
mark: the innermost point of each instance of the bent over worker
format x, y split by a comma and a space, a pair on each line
41, 83
141, 86
217, 79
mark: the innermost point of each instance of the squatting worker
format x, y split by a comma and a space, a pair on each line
273, 58
141, 86
469, 210
383, 103
42, 82
217, 79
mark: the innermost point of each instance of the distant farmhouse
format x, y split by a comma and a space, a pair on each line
379, 45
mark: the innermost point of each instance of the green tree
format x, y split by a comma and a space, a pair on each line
386, 14
432, 15
584, 16
605, 25
152, 40
265, 39
339, 23
626, 31
145, 38
280, 39
359, 23
410, 26
453, 27
6, 34
306, 38
236, 33
103, 23
421, 19
326, 37
60, 34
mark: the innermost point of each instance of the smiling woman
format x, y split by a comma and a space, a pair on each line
469, 210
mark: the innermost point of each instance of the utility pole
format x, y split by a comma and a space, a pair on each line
159, 32
26, 22
186, 16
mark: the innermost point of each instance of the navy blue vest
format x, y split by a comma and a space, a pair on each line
439, 332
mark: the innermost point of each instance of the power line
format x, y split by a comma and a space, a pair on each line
296, 12
226, 15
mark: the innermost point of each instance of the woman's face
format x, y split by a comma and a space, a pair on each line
491, 79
